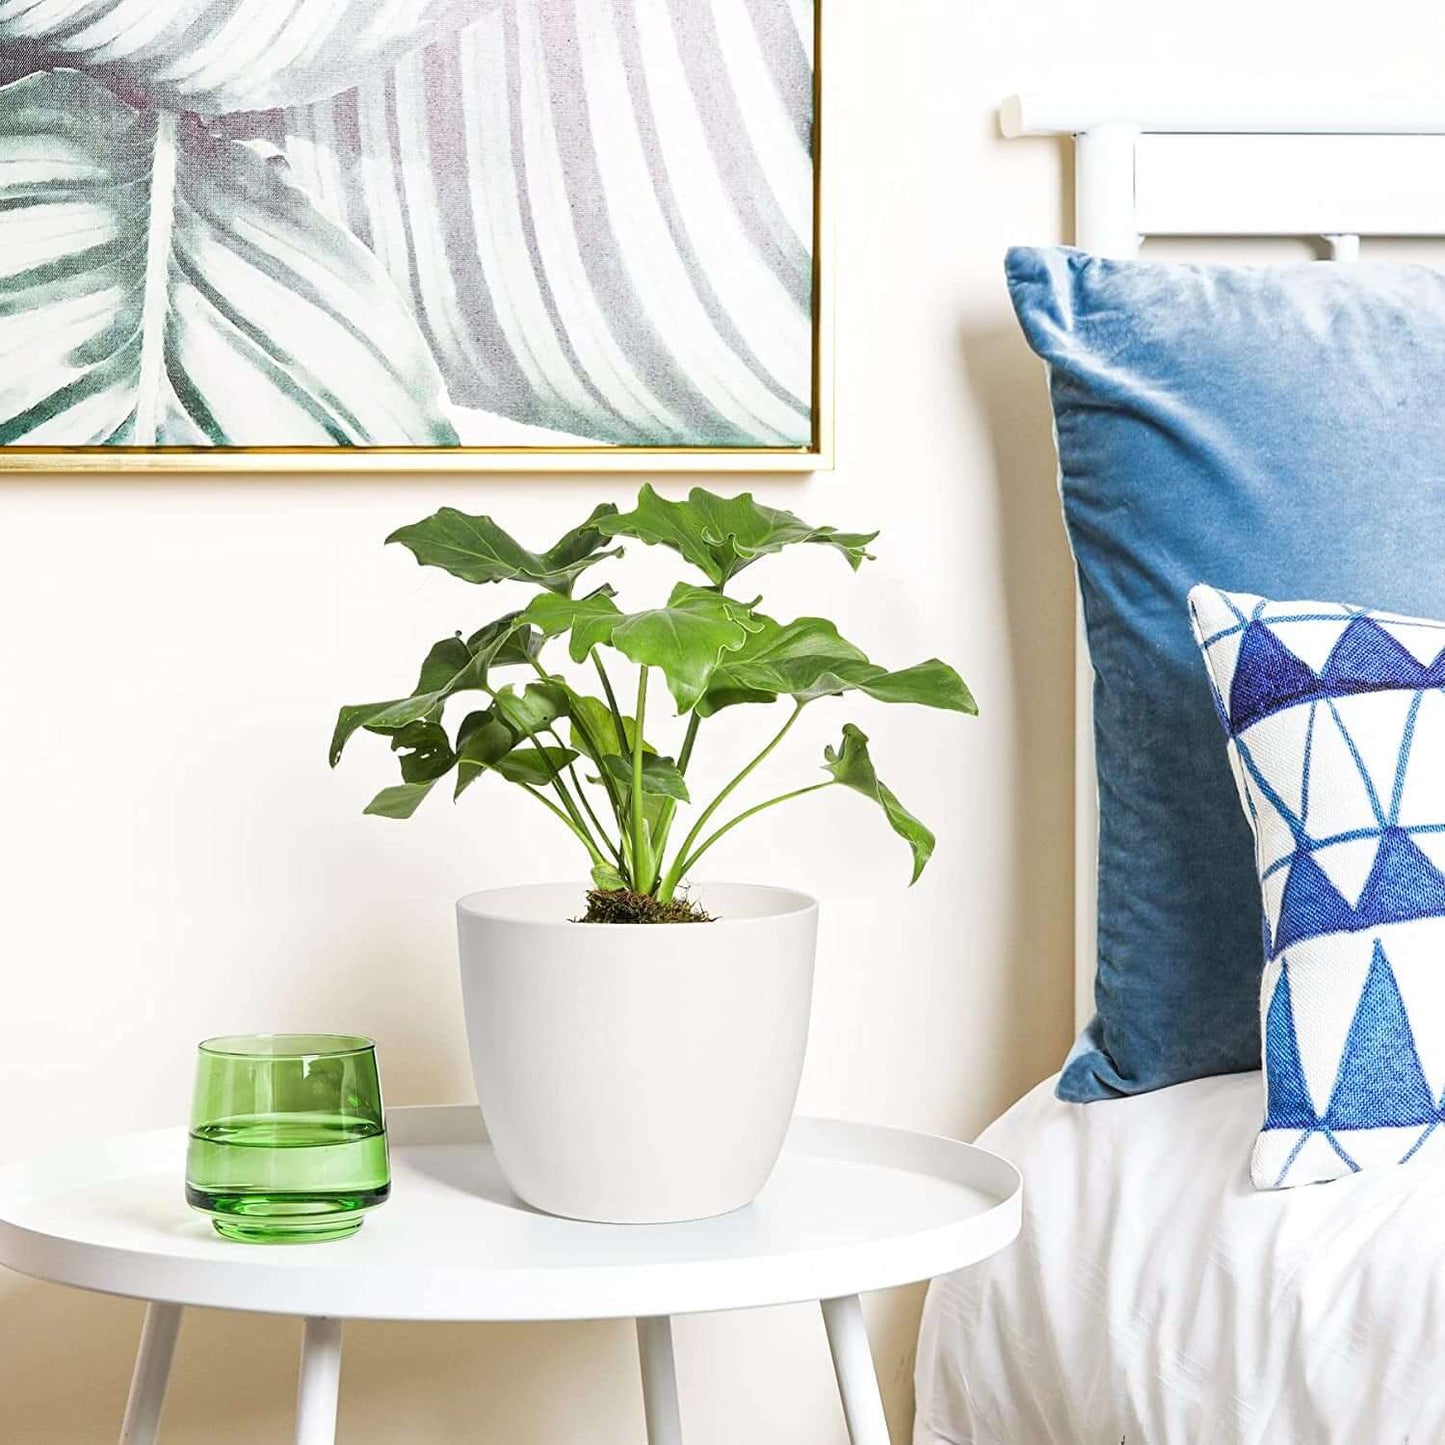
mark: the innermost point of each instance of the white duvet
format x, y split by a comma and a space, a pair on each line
1154, 1297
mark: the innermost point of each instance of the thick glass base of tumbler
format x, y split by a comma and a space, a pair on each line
282, 1219
285, 1234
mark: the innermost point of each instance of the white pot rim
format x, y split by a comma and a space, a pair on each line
538, 904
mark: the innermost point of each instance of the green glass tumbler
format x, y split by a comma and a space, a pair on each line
288, 1139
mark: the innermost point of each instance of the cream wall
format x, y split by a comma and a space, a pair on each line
175, 859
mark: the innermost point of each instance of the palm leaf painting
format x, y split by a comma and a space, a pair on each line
398, 223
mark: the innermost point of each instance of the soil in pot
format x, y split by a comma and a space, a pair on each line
622, 905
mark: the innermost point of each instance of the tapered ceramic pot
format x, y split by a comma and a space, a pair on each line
637, 1073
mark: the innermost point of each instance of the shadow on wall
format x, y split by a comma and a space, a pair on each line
1008, 384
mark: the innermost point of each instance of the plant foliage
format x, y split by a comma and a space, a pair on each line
584, 755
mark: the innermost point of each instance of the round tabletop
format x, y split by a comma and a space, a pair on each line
850, 1208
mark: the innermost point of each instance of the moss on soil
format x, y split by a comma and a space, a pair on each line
622, 905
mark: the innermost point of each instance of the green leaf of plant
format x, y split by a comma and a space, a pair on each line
194, 295
425, 751
803, 659
476, 549
927, 684
506, 642
537, 766
483, 740
537, 706
452, 666
399, 801
444, 660
590, 620
596, 718
606, 877
850, 765
582, 546
659, 775
685, 640
487, 741
722, 535
807, 659
353, 716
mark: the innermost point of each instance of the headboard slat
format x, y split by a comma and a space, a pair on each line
1290, 185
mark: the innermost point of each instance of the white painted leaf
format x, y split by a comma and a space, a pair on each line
602, 213
161, 285
216, 56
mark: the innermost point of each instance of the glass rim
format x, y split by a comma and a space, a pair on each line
255, 1046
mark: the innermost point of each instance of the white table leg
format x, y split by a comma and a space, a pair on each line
659, 1381
853, 1364
319, 1383
152, 1370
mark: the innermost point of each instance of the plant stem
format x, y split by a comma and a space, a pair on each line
641, 862
578, 826
748, 813
685, 756
567, 801
663, 831
590, 743
612, 701
551, 807
670, 879
591, 812
584, 732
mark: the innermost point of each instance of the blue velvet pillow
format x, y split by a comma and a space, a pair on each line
1279, 430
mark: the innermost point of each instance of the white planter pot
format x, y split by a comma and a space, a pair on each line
637, 1073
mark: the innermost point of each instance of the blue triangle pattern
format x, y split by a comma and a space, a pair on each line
1289, 1106
1311, 905
1403, 884
1383, 1107
1267, 677
1380, 1084
1367, 657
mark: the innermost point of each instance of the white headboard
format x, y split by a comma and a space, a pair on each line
1171, 168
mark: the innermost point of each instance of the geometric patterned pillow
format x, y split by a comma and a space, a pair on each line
1336, 724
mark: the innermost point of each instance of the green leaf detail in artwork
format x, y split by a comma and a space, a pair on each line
589, 620
172, 287
213, 56
399, 801
722, 535
659, 775
685, 640
850, 765
807, 659
476, 549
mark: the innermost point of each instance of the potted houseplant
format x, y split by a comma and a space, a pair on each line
630, 1068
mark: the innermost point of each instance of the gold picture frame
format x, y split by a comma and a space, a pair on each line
815, 454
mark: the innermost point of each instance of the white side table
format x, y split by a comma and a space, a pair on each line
852, 1207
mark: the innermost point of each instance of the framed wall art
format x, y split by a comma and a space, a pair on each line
412, 234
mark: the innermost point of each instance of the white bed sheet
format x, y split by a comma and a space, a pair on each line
1155, 1297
